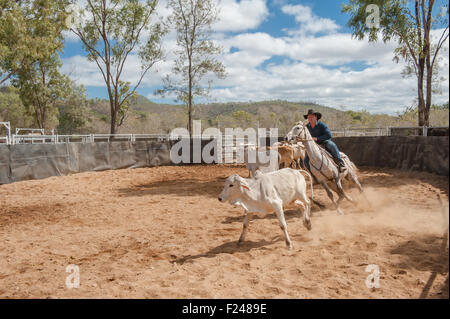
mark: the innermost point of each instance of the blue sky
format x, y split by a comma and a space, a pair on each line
281, 49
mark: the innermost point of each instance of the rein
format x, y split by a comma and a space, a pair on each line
303, 139
298, 138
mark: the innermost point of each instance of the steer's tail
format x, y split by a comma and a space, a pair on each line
311, 182
312, 189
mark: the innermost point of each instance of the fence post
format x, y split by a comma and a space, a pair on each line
425, 131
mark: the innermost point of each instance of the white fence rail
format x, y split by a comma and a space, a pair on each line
80, 138
35, 138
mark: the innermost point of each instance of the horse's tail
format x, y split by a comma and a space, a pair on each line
352, 165
355, 169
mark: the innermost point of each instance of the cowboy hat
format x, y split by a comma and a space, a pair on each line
311, 111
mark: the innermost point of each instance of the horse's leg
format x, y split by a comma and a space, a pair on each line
293, 164
330, 195
299, 164
351, 177
354, 179
342, 193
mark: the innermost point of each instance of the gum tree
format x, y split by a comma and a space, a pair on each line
410, 24
113, 30
30, 42
196, 53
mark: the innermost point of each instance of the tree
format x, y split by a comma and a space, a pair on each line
12, 109
192, 20
73, 111
242, 118
12, 38
31, 56
112, 31
41, 88
29, 30
410, 24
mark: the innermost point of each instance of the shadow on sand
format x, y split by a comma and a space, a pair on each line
229, 248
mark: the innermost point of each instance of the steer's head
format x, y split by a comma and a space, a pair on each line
232, 191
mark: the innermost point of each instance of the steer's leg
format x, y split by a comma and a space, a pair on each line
280, 214
244, 229
307, 212
330, 195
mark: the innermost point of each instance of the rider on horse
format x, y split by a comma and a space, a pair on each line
322, 136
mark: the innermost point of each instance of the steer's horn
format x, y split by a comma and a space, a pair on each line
242, 182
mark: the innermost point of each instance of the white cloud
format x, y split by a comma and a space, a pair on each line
314, 62
309, 22
257, 43
241, 16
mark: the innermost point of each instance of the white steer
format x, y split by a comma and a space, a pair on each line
267, 193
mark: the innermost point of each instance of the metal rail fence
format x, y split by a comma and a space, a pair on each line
36, 138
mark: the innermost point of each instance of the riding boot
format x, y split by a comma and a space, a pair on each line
342, 167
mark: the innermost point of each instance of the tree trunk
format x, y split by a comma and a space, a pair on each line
427, 54
113, 118
421, 102
190, 100
428, 96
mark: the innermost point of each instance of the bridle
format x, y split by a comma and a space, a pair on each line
299, 139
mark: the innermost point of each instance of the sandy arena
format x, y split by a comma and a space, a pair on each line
161, 233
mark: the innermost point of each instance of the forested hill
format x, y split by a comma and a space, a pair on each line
78, 115
146, 116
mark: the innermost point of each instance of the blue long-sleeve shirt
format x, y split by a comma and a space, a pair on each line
321, 131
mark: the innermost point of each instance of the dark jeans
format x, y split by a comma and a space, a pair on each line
331, 147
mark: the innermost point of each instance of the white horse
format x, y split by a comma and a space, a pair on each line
323, 166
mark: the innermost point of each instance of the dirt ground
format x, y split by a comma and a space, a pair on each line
161, 233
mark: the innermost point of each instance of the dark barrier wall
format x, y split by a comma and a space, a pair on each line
22, 162
421, 153
36, 161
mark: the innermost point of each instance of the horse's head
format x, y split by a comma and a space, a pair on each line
298, 131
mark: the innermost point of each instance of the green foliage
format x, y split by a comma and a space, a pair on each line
30, 41
242, 116
409, 23
29, 30
441, 107
196, 53
12, 109
41, 88
73, 112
